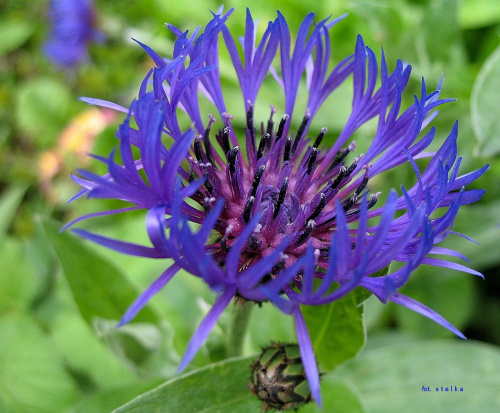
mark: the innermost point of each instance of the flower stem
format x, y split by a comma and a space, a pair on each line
240, 317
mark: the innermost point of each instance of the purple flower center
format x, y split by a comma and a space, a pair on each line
284, 180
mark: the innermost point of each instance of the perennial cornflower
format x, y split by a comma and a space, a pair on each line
281, 216
72, 28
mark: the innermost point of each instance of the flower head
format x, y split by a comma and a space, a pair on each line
72, 29
276, 208
278, 378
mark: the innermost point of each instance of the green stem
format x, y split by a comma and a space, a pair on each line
240, 317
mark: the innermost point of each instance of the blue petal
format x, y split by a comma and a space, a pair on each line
104, 104
307, 356
205, 327
152, 290
121, 246
425, 311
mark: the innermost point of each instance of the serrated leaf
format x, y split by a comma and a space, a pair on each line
484, 103
220, 387
337, 330
390, 379
32, 377
98, 287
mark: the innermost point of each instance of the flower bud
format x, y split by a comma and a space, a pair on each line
278, 378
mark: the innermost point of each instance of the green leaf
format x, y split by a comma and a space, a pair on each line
75, 341
484, 104
223, 387
16, 277
32, 377
43, 107
361, 294
14, 34
390, 379
338, 396
268, 323
337, 330
479, 13
440, 26
109, 399
9, 203
146, 347
477, 225
98, 287
220, 387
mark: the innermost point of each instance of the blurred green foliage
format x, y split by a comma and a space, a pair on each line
59, 298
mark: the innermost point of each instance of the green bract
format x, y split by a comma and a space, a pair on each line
278, 378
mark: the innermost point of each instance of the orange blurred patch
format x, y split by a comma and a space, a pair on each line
79, 136
76, 140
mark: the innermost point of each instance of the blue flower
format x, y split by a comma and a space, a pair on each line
72, 29
284, 210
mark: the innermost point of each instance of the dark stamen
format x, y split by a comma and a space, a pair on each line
198, 195
250, 127
301, 130
320, 137
278, 267
339, 158
311, 160
250, 117
248, 208
349, 202
225, 140
319, 207
307, 232
362, 186
281, 197
208, 145
339, 178
257, 178
341, 155
231, 159
197, 150
286, 152
254, 244
281, 127
262, 145
209, 186
270, 123
344, 173
372, 202
351, 168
